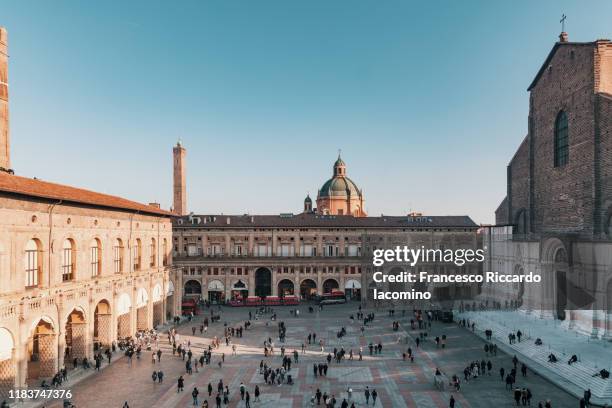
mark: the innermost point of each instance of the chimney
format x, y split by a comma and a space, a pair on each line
5, 152
156, 205
563, 37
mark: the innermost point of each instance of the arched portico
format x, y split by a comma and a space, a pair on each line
329, 285
158, 305
142, 309
263, 282
308, 289
75, 340
42, 351
102, 325
124, 327
285, 287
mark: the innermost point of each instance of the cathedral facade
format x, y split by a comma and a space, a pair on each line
556, 218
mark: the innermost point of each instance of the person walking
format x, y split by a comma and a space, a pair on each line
154, 377
367, 395
374, 395
160, 376
257, 393
247, 400
180, 384
451, 402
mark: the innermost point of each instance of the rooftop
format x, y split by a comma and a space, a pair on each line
51, 191
307, 220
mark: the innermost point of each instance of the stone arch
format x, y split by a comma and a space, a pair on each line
263, 282
42, 350
216, 290
285, 287
124, 305
554, 253
76, 331
239, 289
7, 362
142, 309
329, 285
308, 288
193, 288
102, 324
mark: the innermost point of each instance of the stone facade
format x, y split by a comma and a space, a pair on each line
48, 307
559, 215
227, 256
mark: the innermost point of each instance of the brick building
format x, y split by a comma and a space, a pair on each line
556, 216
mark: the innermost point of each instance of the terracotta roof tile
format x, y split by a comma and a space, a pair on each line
42, 189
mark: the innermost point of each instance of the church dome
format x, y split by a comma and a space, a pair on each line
339, 186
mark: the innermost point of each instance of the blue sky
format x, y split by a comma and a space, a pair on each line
427, 100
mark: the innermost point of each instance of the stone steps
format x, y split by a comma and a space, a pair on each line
574, 378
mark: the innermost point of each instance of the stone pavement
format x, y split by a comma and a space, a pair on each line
398, 383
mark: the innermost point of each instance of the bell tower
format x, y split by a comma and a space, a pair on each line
5, 153
180, 188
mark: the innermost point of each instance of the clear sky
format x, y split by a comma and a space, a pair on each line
427, 99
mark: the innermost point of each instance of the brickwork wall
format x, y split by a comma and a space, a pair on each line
123, 326
158, 311
7, 377
104, 329
78, 340
47, 353
519, 166
564, 195
141, 318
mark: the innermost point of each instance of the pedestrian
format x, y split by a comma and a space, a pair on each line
160, 376
180, 384
451, 403
257, 393
154, 377
374, 395
194, 394
247, 400
367, 395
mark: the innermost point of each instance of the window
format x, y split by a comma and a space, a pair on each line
32, 262
137, 254
153, 253
165, 249
68, 257
118, 256
95, 255
561, 140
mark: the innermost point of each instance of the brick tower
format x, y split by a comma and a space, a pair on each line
180, 189
5, 157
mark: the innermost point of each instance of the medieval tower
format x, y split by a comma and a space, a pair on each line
180, 189
5, 157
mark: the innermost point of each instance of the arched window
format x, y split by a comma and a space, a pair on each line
33, 263
95, 255
68, 258
153, 253
118, 256
165, 254
561, 140
137, 254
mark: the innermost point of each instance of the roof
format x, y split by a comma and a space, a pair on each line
339, 186
308, 220
42, 189
550, 56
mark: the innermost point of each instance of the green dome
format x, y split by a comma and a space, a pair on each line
339, 187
